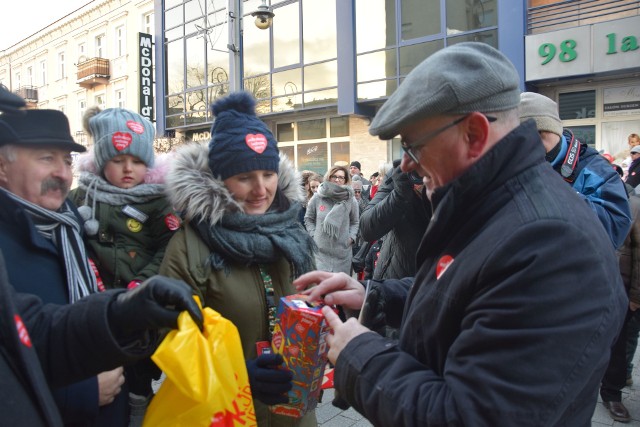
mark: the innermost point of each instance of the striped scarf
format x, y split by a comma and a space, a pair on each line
63, 229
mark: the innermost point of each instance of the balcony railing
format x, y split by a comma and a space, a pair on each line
29, 93
93, 72
574, 13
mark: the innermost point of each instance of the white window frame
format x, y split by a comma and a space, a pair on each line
147, 23
120, 40
100, 47
61, 68
120, 98
43, 72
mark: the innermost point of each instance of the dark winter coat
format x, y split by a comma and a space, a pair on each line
511, 316
34, 267
49, 344
399, 214
629, 252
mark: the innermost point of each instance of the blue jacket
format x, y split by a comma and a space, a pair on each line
601, 187
512, 313
34, 267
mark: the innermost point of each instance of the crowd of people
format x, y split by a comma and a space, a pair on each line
489, 275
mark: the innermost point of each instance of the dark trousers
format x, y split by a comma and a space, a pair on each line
615, 377
633, 330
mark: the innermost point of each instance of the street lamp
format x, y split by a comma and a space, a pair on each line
264, 17
292, 90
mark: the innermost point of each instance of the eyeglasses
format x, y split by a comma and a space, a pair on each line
409, 148
337, 178
357, 191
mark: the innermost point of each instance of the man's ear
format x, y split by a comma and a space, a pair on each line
477, 127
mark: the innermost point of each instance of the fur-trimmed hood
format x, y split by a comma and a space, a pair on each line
155, 175
195, 192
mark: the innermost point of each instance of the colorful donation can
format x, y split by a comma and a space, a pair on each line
300, 337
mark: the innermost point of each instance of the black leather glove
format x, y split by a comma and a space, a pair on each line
155, 304
269, 383
402, 184
373, 314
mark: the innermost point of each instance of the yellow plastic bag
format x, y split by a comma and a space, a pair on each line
207, 383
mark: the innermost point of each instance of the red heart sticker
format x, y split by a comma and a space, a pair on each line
443, 264
172, 222
22, 331
257, 142
121, 140
135, 126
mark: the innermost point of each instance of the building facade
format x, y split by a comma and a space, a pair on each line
89, 57
320, 71
585, 55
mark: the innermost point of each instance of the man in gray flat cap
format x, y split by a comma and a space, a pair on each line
515, 304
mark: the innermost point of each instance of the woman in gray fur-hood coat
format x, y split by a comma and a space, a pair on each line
240, 263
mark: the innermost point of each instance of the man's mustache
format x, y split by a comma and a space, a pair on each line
54, 184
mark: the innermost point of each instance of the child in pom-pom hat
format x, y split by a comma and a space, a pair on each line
120, 195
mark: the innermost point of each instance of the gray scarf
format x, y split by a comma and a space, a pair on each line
340, 194
256, 239
101, 191
63, 229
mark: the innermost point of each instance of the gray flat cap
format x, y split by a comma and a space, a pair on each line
459, 79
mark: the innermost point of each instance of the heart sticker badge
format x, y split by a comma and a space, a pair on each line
135, 126
257, 142
121, 140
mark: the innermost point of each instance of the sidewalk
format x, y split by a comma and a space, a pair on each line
330, 416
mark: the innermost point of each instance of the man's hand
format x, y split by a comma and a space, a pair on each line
332, 288
109, 385
342, 332
154, 304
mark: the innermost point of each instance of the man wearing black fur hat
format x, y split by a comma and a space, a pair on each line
515, 304
42, 241
51, 346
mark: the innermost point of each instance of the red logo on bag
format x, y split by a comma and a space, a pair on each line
121, 140
172, 222
22, 331
135, 126
257, 142
443, 264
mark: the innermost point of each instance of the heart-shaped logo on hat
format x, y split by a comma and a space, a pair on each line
257, 142
121, 140
135, 126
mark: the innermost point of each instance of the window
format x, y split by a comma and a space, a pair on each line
82, 52
18, 82
61, 69
577, 105
147, 23
82, 107
43, 72
120, 40
30, 76
100, 101
100, 46
119, 95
